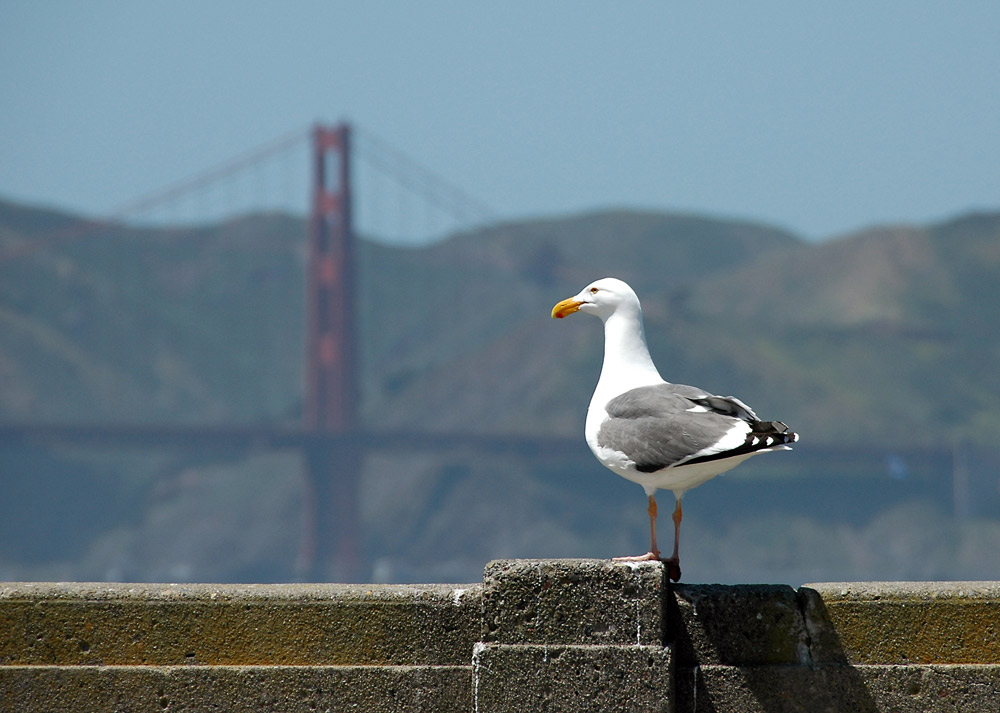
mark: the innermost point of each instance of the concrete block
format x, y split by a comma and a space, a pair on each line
154, 624
573, 602
555, 678
770, 689
235, 689
904, 622
833, 689
742, 625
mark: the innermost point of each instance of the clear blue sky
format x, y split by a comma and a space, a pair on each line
819, 117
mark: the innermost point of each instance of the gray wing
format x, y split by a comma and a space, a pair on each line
655, 426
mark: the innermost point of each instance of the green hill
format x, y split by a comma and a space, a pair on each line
889, 335
880, 337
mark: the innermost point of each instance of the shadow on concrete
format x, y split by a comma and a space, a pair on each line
760, 648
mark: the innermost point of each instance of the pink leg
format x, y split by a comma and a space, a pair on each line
654, 552
674, 563
651, 510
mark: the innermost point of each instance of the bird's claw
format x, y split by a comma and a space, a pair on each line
673, 563
648, 557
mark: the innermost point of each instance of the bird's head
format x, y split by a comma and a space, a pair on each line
601, 299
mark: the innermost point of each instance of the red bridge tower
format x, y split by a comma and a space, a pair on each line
330, 546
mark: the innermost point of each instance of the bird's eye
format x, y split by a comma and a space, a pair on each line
593, 290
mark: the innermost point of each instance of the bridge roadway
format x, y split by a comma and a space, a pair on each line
272, 437
267, 437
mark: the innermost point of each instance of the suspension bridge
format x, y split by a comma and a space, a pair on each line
330, 435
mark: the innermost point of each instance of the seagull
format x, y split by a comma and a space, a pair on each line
654, 433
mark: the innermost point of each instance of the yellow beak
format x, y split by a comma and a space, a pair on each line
566, 308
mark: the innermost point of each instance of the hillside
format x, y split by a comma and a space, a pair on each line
883, 338
891, 333
872, 338
103, 323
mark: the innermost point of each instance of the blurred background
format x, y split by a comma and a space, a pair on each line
275, 284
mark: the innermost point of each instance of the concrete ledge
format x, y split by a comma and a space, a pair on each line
241, 689
150, 624
745, 625
556, 635
574, 602
571, 678
834, 689
904, 622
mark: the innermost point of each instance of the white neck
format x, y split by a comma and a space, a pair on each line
627, 363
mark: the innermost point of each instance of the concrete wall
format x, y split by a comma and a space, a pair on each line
547, 635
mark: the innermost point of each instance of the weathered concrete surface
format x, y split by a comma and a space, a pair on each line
904, 622
835, 689
239, 689
554, 635
836, 647
150, 624
742, 625
561, 678
572, 635
573, 602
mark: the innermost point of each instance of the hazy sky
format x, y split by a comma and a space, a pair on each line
819, 117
